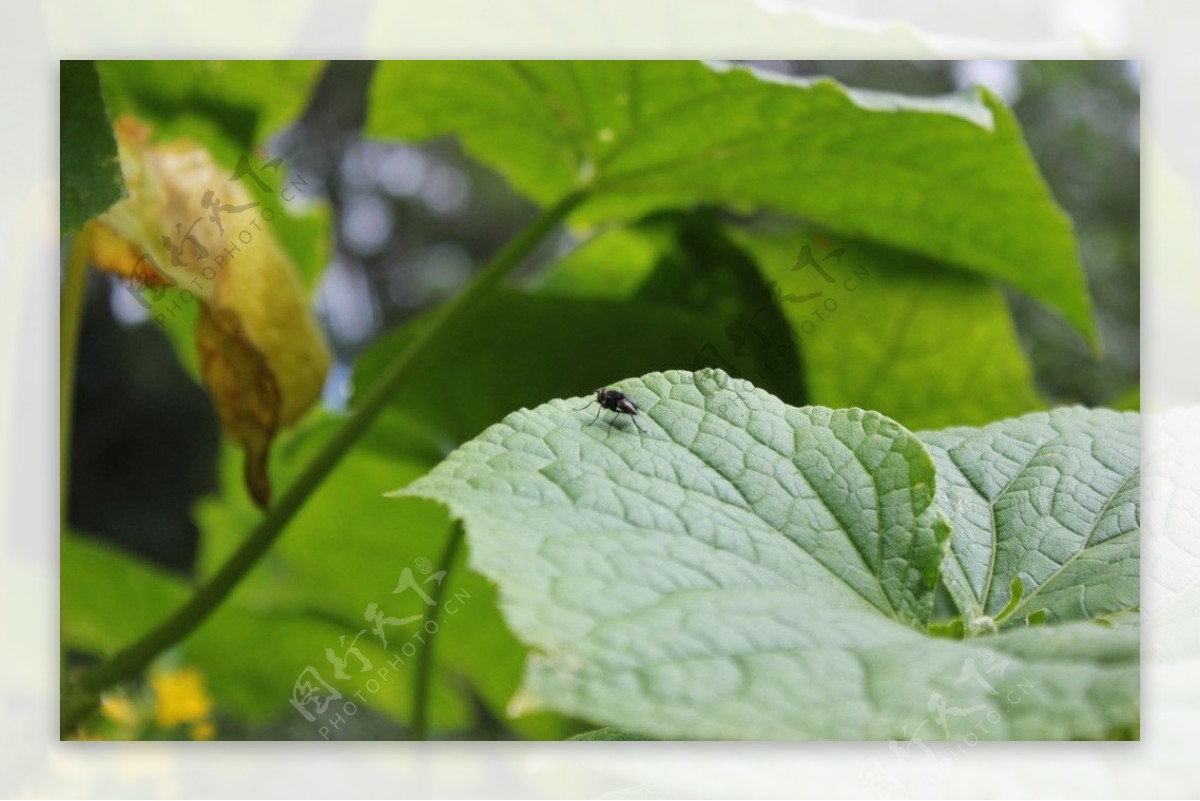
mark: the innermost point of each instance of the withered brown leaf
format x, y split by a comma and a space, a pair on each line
262, 355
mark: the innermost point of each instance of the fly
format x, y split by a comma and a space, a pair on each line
614, 401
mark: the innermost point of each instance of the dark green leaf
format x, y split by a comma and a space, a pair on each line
520, 349
89, 173
888, 330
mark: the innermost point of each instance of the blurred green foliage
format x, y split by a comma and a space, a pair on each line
1081, 119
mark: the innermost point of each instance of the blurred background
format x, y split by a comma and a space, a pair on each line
412, 223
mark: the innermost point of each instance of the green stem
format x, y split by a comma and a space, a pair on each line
209, 595
424, 666
70, 320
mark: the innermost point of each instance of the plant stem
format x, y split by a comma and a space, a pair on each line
70, 320
210, 594
424, 666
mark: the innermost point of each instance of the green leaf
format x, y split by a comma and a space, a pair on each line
1049, 499
689, 261
744, 569
611, 265
519, 349
607, 734
228, 106
89, 173
888, 330
950, 177
1129, 400
110, 598
1016, 590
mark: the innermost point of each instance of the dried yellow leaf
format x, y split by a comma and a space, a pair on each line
195, 230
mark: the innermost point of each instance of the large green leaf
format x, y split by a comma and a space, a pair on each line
947, 177
889, 330
89, 175
1049, 500
744, 569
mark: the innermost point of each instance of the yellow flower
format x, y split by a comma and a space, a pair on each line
204, 730
179, 697
119, 709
